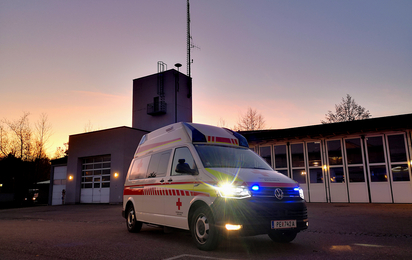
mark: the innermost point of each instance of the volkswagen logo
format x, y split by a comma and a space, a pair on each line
279, 194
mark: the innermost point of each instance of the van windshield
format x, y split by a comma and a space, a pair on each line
214, 156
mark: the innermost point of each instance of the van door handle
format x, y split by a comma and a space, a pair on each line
170, 180
162, 180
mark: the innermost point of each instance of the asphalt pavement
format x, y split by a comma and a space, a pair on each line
94, 231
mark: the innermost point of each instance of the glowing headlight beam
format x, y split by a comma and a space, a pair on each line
228, 190
233, 227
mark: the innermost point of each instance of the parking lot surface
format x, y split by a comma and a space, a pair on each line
336, 231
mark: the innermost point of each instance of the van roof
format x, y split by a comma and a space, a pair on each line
189, 132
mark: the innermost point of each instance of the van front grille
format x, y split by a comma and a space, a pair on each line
269, 192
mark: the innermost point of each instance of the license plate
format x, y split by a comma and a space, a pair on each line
280, 224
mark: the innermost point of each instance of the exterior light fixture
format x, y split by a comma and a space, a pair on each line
70, 177
325, 167
116, 174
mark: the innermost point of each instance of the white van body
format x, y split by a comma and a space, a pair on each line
205, 179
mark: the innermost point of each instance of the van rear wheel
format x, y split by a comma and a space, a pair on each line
282, 236
203, 229
132, 224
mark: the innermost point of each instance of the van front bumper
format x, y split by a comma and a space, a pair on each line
256, 214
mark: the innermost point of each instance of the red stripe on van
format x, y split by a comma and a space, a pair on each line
128, 191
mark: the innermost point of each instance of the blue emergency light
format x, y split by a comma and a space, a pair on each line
255, 187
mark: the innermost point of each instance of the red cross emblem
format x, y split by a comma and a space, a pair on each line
178, 204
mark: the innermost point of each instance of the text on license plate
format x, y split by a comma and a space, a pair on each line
279, 224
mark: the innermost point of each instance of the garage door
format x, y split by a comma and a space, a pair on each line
95, 179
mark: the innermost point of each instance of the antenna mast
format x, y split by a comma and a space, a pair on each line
189, 61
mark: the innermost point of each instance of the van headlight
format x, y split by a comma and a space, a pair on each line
228, 190
301, 194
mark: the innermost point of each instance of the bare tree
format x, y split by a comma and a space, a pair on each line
61, 151
21, 129
347, 110
4, 141
43, 131
251, 120
222, 123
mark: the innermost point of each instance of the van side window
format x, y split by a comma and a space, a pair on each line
183, 162
158, 164
139, 168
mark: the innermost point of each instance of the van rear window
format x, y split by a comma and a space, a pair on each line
139, 168
158, 164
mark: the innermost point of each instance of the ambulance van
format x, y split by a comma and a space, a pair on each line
205, 179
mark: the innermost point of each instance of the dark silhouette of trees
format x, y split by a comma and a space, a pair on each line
347, 110
23, 160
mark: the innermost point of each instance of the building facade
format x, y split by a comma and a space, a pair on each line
98, 161
365, 161
161, 99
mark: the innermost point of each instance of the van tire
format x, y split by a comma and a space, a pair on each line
204, 232
133, 226
282, 236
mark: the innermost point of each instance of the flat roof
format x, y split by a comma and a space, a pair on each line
389, 123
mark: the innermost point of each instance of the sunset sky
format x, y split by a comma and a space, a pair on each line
291, 60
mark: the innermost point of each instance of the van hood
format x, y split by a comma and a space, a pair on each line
250, 176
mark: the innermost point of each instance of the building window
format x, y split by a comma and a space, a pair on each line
375, 149
376, 159
316, 175
298, 159
355, 160
356, 174
314, 155
315, 162
96, 172
378, 173
266, 155
354, 151
398, 157
280, 160
334, 152
298, 163
397, 148
336, 173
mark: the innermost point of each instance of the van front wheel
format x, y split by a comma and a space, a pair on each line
203, 229
132, 224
